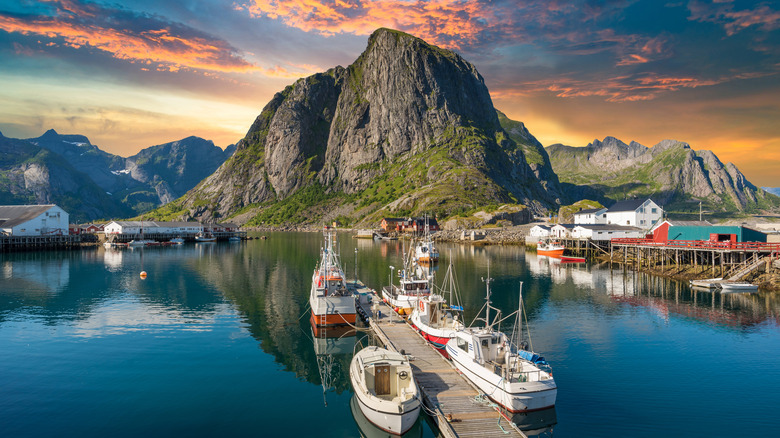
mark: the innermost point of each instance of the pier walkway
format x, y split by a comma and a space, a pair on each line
445, 391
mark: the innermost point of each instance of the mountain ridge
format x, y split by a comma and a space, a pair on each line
407, 128
674, 174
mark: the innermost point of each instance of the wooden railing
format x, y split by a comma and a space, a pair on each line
700, 244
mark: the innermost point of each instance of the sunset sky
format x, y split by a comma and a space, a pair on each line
137, 73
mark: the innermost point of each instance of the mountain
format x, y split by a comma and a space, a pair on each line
407, 128
174, 168
672, 173
153, 177
30, 174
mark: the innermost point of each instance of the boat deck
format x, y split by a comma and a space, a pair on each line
444, 390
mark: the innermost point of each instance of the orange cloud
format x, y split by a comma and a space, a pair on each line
165, 44
448, 23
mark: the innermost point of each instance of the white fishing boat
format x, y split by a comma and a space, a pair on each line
413, 283
205, 238
425, 252
141, 242
332, 303
177, 241
709, 283
737, 287
437, 319
517, 379
234, 239
385, 390
403, 297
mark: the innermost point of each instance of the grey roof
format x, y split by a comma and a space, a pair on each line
628, 205
590, 210
546, 227
607, 227
569, 226
13, 215
675, 223
153, 224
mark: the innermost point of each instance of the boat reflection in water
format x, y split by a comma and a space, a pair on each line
368, 430
535, 423
330, 342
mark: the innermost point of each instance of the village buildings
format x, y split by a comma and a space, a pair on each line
33, 220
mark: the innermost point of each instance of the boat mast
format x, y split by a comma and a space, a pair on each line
487, 297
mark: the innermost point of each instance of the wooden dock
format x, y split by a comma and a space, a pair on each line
459, 411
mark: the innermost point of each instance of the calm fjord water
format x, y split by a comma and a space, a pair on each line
216, 342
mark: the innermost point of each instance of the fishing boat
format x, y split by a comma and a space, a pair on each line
332, 303
177, 241
517, 379
234, 239
708, 283
548, 248
569, 259
434, 318
205, 238
385, 390
141, 242
737, 287
411, 287
425, 252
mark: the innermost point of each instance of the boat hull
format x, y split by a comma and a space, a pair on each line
402, 304
390, 422
333, 319
550, 252
514, 397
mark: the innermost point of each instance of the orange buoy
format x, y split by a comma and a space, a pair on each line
143, 275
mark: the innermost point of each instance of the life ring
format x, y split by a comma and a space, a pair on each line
403, 375
422, 306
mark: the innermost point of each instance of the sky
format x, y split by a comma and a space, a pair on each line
135, 73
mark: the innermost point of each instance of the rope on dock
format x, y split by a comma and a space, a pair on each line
482, 399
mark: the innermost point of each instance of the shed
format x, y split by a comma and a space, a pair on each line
716, 233
33, 220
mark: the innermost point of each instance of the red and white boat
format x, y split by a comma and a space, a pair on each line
553, 249
435, 319
332, 302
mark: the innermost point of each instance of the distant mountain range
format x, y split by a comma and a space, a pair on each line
670, 172
772, 190
90, 183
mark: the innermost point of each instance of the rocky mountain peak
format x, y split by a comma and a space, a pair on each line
403, 105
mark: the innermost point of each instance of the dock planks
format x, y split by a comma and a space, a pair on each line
443, 388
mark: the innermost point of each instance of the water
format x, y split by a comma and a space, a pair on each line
216, 341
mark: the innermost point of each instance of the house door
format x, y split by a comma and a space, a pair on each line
382, 379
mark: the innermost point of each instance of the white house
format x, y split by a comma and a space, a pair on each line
606, 232
33, 220
539, 231
634, 212
591, 216
561, 230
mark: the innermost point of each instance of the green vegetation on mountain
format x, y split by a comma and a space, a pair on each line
407, 129
671, 173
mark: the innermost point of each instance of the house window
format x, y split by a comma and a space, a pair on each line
654, 210
641, 222
628, 222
